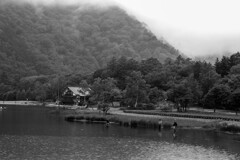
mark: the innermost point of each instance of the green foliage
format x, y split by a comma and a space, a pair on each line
104, 90
155, 95
136, 90
196, 70
69, 40
233, 81
217, 96
235, 69
57, 39
104, 107
234, 100
235, 59
181, 81
150, 65
43, 50
223, 67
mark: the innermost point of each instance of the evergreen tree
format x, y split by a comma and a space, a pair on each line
217, 96
234, 100
223, 67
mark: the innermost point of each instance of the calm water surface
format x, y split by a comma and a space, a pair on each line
33, 133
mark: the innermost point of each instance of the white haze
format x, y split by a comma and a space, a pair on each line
63, 2
195, 27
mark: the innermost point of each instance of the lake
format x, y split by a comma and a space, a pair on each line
33, 133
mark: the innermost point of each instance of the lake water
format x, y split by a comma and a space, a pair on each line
33, 133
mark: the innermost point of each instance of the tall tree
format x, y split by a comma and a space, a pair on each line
136, 90
235, 59
103, 89
217, 96
234, 100
181, 94
196, 70
149, 65
223, 67
155, 95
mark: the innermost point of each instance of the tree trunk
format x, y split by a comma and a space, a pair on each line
98, 107
136, 102
186, 105
112, 105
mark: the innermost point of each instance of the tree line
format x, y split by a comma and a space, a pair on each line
143, 84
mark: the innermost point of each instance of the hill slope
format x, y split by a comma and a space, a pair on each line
47, 40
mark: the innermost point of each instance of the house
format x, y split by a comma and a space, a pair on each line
75, 96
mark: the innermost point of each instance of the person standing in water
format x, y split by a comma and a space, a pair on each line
107, 123
174, 127
160, 124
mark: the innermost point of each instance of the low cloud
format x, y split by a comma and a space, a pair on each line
61, 2
195, 28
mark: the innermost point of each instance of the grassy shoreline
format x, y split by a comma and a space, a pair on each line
186, 115
132, 120
21, 103
145, 119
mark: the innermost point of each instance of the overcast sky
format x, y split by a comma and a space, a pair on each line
195, 27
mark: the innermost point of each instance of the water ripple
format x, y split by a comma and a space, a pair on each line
102, 148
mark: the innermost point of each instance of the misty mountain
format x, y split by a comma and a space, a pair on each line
211, 58
47, 40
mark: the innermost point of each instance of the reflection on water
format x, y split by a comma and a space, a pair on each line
32, 133
89, 148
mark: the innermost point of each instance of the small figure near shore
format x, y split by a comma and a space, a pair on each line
160, 134
107, 123
174, 128
160, 124
1, 108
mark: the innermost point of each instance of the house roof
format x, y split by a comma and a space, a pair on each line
80, 91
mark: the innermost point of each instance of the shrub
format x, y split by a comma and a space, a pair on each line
142, 123
70, 118
149, 106
126, 124
152, 124
114, 119
230, 128
143, 106
166, 109
123, 108
167, 125
80, 118
104, 107
133, 123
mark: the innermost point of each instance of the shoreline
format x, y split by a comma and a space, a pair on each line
40, 104
186, 115
21, 103
151, 121
147, 120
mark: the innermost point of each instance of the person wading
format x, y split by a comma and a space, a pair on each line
160, 124
107, 123
174, 128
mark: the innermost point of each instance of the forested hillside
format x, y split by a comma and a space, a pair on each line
45, 40
181, 81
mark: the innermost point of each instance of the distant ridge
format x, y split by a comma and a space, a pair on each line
48, 40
